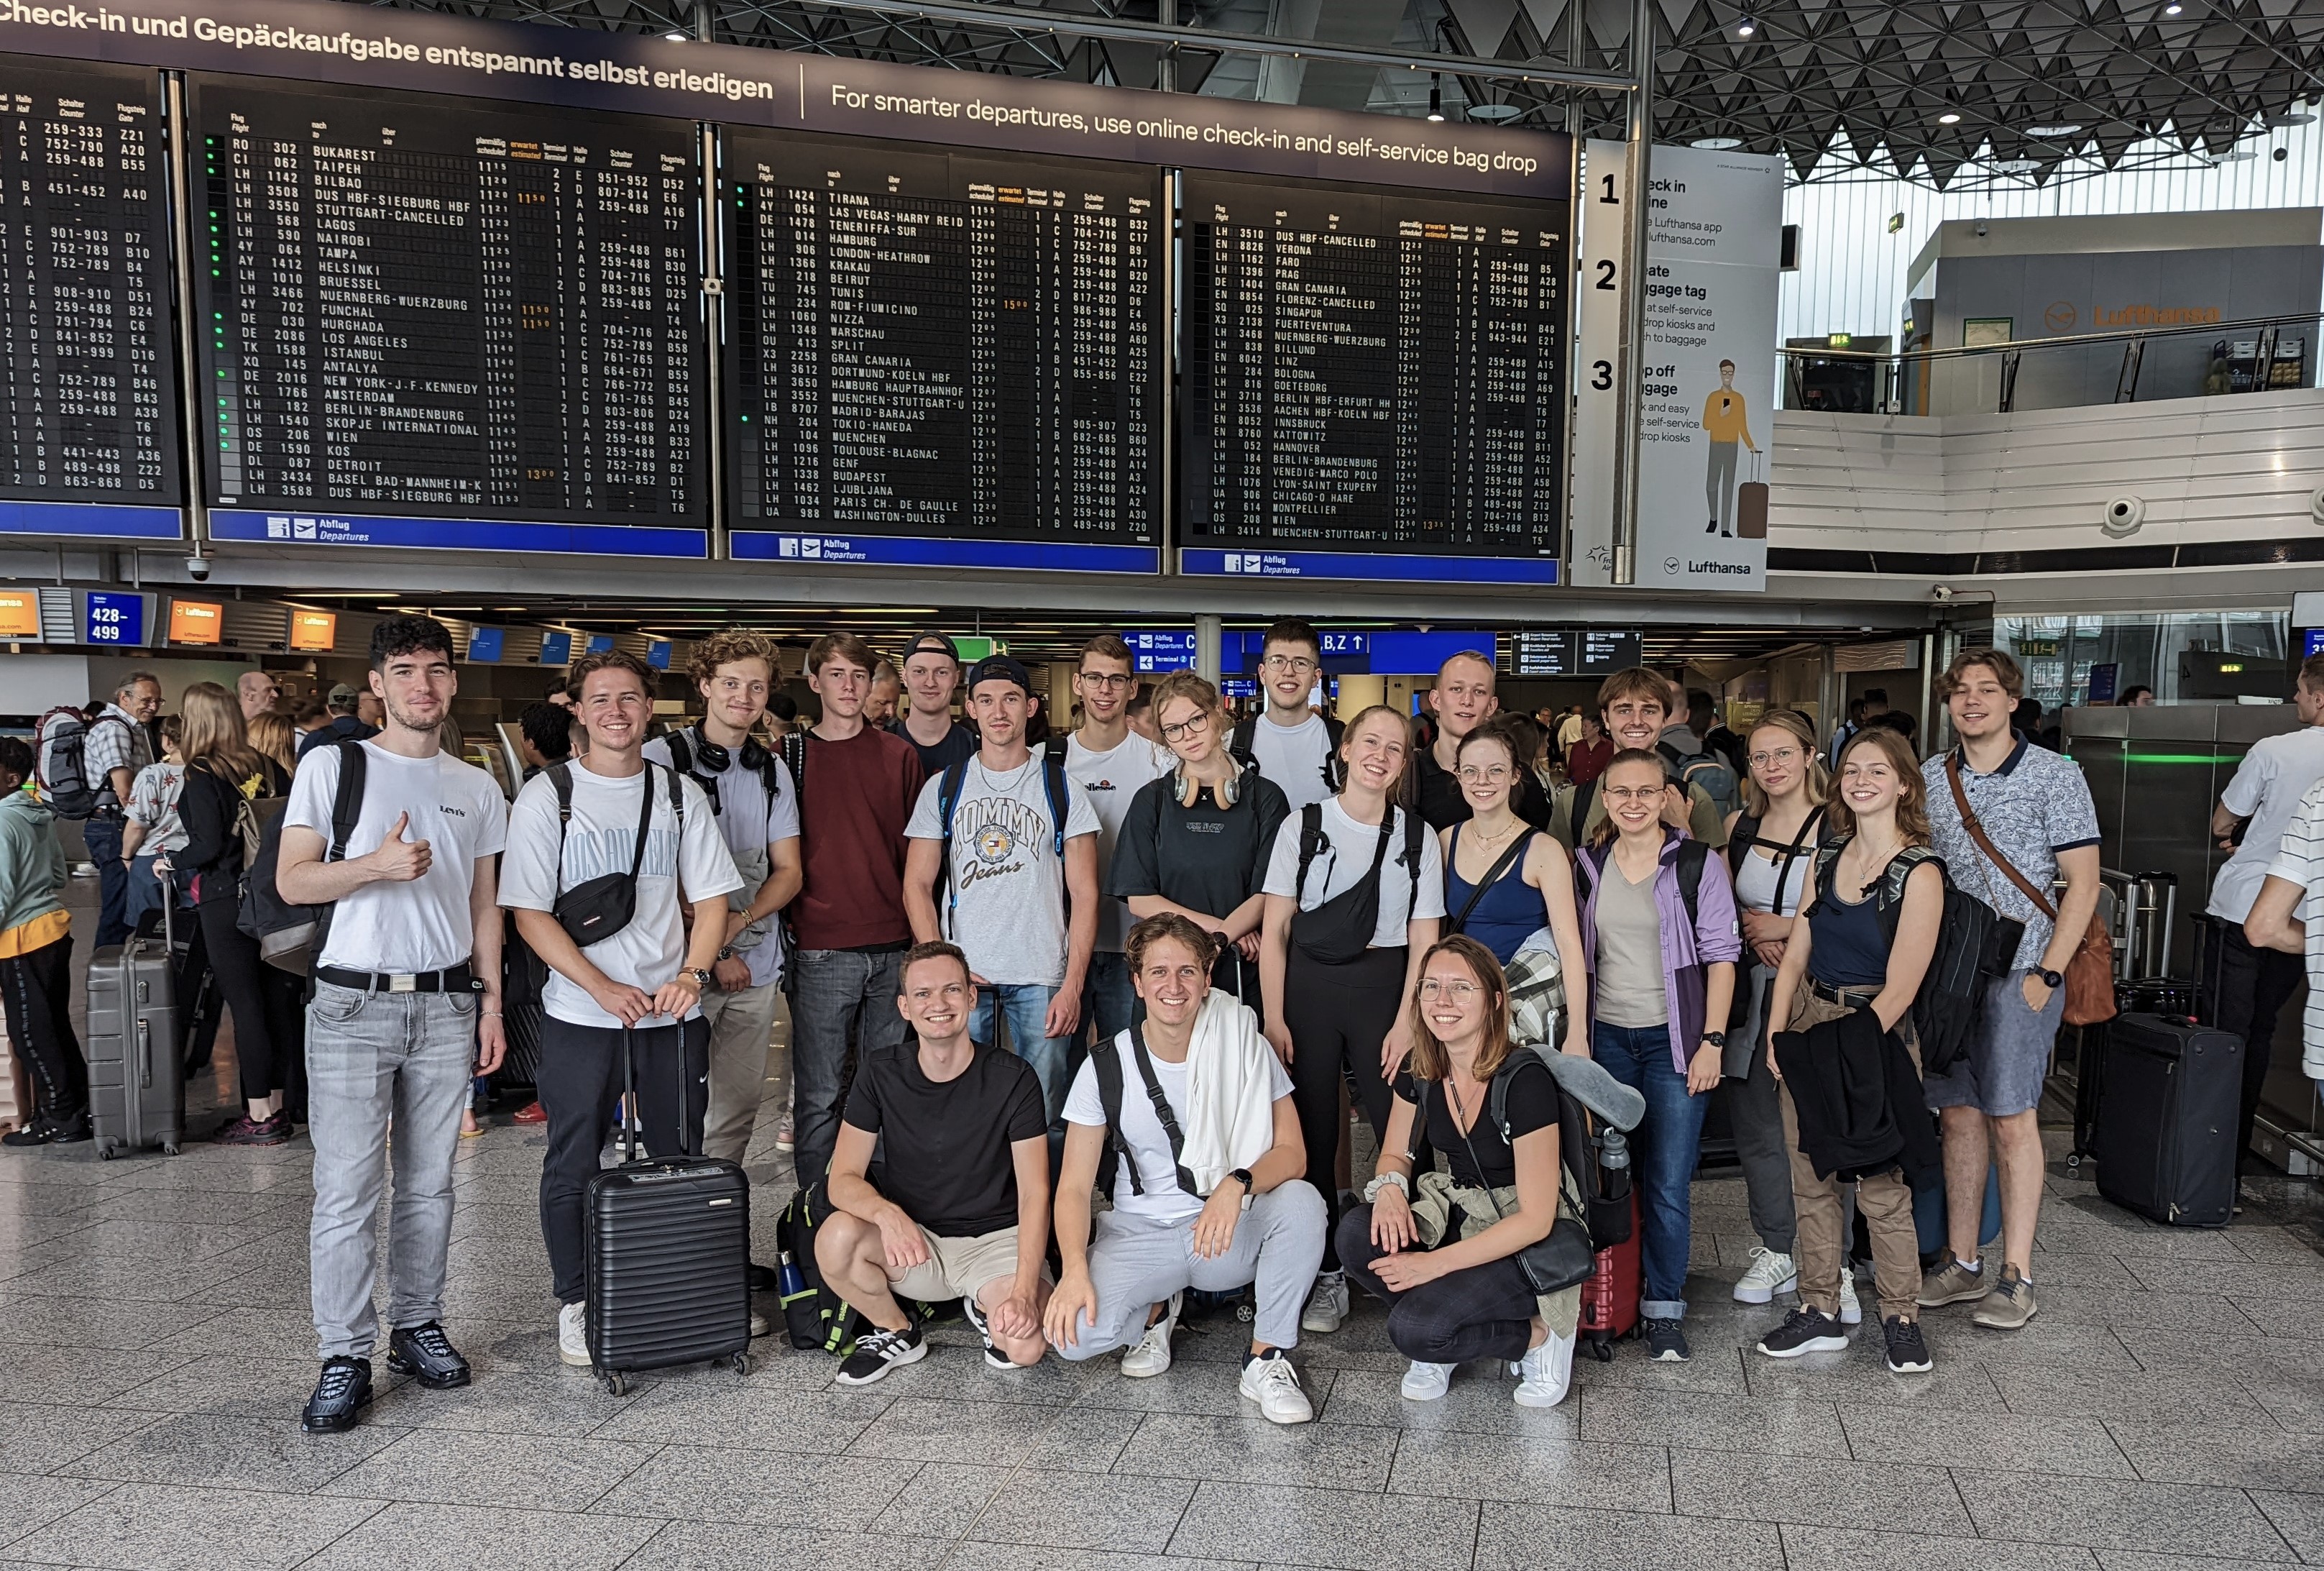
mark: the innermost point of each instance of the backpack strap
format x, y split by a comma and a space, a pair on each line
347, 801
1106, 1062
1745, 835
1334, 774
1496, 1093
1827, 858
1691, 856
948, 788
681, 757
793, 752
1410, 855
1053, 776
1888, 901
1163, 1112
1310, 846
1585, 796
1241, 742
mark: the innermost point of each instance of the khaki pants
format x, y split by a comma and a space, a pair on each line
1883, 1200
741, 1025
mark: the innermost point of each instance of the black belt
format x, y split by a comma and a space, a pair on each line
456, 979
1831, 994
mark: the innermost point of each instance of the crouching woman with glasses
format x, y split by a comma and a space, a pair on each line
1441, 1248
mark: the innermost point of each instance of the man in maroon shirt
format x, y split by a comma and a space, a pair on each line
856, 785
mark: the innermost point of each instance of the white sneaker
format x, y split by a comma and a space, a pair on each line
1274, 1385
1545, 1373
1327, 1305
759, 1325
1151, 1356
1425, 1382
573, 1334
1768, 1274
1851, 1313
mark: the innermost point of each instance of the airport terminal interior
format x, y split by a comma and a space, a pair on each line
1373, 359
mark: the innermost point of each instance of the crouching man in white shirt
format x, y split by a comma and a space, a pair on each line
1195, 1113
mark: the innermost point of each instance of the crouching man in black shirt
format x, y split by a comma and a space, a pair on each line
961, 1205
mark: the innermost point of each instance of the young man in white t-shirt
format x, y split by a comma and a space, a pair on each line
758, 816
2288, 915
1005, 897
406, 1011
1287, 741
1105, 759
645, 981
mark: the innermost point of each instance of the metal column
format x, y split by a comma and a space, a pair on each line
184, 238
1630, 412
714, 318
1206, 647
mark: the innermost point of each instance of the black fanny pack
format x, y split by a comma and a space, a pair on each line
1339, 930
592, 911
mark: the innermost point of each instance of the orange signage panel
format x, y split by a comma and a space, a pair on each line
195, 620
314, 631
20, 614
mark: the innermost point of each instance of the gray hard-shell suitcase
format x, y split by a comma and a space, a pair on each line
136, 1065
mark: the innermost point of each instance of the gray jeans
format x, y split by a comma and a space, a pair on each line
740, 1026
1755, 1113
843, 998
1136, 1262
373, 1059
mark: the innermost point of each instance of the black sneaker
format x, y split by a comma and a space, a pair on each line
878, 1352
40, 1131
1665, 1343
426, 1355
1805, 1330
1908, 1353
974, 1313
248, 1130
340, 1395
764, 1279
67, 1131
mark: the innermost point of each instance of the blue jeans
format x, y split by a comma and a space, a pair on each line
103, 837
843, 1002
1024, 1006
1663, 1153
1108, 1000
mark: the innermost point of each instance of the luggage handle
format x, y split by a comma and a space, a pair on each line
632, 1119
144, 1051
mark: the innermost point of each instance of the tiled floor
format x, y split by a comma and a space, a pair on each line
2167, 1410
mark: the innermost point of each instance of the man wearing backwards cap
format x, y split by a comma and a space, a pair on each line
1003, 896
931, 672
343, 725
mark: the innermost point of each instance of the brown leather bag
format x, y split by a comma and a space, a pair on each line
2090, 973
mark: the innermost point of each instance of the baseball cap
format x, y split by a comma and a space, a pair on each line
343, 696
1000, 667
934, 644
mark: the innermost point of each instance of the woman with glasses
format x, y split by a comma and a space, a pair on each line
1355, 890
1440, 1248
1658, 931
1195, 841
1771, 846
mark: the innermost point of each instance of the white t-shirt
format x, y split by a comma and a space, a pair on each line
1164, 1200
2267, 789
2300, 858
750, 821
1293, 757
455, 807
1110, 778
1347, 857
1006, 905
601, 838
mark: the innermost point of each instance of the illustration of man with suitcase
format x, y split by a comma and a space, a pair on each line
1727, 422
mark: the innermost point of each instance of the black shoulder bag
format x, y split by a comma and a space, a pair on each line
593, 911
1564, 1259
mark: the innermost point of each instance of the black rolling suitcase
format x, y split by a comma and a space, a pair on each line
136, 1064
2165, 1128
666, 1250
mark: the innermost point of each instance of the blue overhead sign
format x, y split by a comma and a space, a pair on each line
113, 618
1382, 568
458, 535
92, 520
882, 551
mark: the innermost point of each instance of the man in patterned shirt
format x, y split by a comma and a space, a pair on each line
115, 749
2288, 915
2035, 809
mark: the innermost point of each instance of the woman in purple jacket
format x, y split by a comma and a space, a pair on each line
1658, 929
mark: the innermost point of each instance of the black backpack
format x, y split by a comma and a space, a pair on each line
290, 936
816, 1319
1245, 738
1590, 863
1602, 1199
1973, 944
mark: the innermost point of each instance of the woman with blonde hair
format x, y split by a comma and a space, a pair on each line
274, 736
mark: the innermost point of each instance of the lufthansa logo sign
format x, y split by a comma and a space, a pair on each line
2060, 316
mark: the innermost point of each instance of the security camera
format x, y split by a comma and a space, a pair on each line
1942, 593
200, 568
2122, 515
2316, 504
2281, 153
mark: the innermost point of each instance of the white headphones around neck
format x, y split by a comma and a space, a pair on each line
1190, 790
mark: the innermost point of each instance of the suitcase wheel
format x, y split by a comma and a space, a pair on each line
1601, 1348
616, 1382
2073, 1160
107, 1148
741, 1362
169, 1148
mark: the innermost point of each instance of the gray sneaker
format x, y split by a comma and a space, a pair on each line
2010, 1304
1952, 1282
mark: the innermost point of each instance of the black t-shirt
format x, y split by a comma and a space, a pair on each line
1533, 1105
1441, 805
943, 1149
958, 744
1205, 857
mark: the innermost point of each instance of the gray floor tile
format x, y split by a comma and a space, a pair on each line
29, 1503
2133, 1561
702, 1485
2295, 1401
565, 1404
449, 1537
160, 1244
1714, 1423
939, 1499
36, 1437
224, 1451
2083, 1269
1815, 1493
2300, 1518
1312, 1527
1250, 1450
1190, 1386
1852, 1549
2107, 1513
955, 1371
280, 1331
1478, 1401
2174, 1450
453, 1467
1711, 1369
728, 1547
255, 1208
917, 1429
825, 1422
96, 1322
2271, 1245
1522, 1538
1860, 1376
150, 1526
1082, 1510
972, 1556
1548, 1472
1955, 1439
2053, 1392
118, 1278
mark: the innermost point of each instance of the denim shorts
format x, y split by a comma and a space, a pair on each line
2008, 1053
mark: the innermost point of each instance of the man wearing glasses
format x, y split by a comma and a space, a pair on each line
1110, 761
1289, 742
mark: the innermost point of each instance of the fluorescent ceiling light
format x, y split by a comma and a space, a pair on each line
2051, 130
1494, 113
1717, 144
1948, 118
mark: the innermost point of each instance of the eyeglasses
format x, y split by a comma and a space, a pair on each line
1492, 774
1184, 728
1458, 992
1780, 755
1289, 662
1107, 680
1632, 793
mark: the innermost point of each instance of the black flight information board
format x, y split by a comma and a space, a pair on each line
86, 363
1370, 370
439, 309
1575, 652
944, 359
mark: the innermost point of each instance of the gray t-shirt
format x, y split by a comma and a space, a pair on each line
2035, 806
751, 819
1005, 906
1628, 988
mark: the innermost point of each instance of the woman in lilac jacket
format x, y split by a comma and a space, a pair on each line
1658, 929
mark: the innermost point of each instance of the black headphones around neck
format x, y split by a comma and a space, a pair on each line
715, 758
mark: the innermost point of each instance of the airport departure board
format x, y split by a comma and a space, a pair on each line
85, 365
446, 309
1367, 369
949, 345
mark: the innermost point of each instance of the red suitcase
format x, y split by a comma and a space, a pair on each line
1609, 1299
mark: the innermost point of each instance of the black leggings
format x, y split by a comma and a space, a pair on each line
1338, 1017
268, 1031
36, 989
1484, 1311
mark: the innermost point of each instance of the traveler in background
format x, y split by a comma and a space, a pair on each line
115, 747
1351, 908
343, 727
2248, 984
1895, 720
544, 736
1837, 959
1461, 700
931, 672
782, 720
2139, 696
370, 711
959, 1205
559, 693
1771, 847
2288, 916
311, 715
1111, 763
1536, 886
1587, 755
224, 773
1448, 1267
406, 1011
273, 735
36, 960
1702, 715
1662, 977
1872, 705
257, 691
150, 830
1632, 706
1139, 712
644, 982
1570, 729
1691, 760
887, 695
1287, 740
1214, 1201
1196, 841
1018, 894
752, 794
2036, 809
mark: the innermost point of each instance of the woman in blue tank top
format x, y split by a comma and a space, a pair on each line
1505, 881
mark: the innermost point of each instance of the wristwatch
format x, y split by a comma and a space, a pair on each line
2051, 979
1716, 1038
701, 977
1242, 1176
